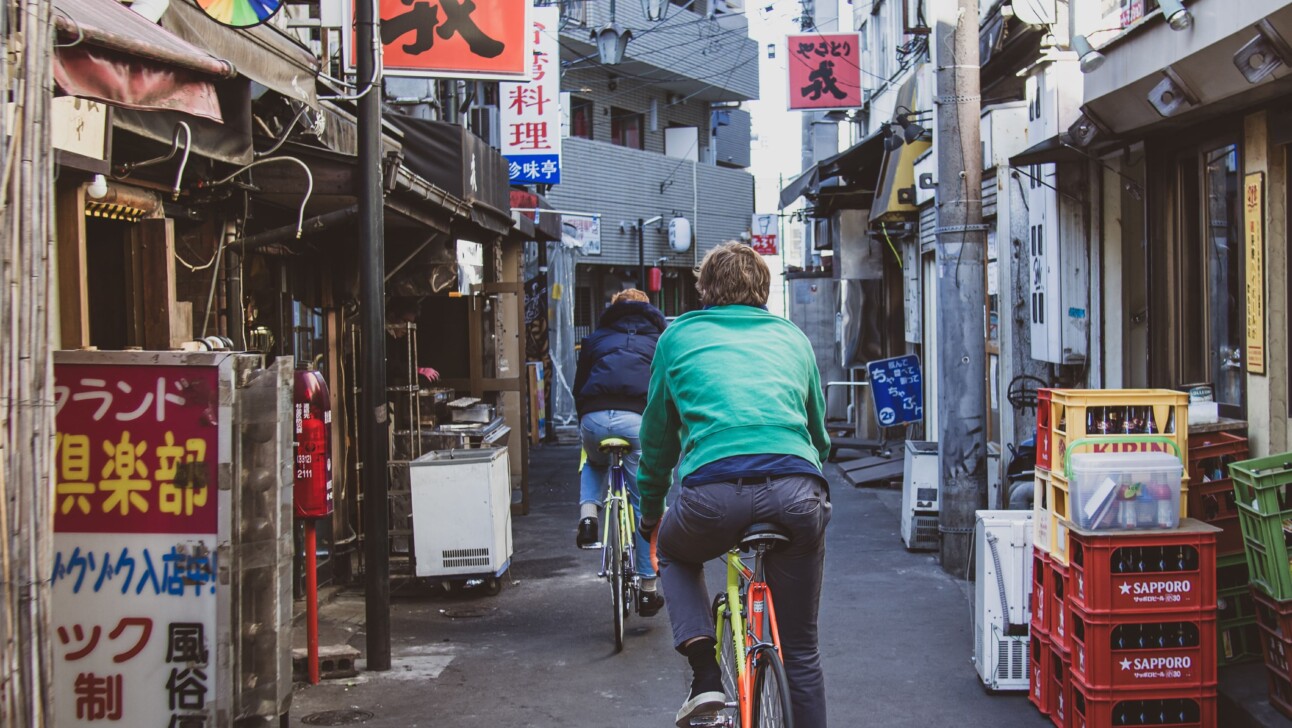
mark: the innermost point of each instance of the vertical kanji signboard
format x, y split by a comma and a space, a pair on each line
484, 39
530, 113
824, 71
138, 518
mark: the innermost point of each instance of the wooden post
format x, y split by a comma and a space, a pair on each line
73, 281
153, 241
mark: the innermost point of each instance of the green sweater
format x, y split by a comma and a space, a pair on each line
726, 381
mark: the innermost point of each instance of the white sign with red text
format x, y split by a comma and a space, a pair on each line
530, 113
764, 235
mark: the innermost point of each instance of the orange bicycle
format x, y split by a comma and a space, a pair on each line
748, 641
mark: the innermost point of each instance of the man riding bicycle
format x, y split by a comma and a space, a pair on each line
735, 391
610, 394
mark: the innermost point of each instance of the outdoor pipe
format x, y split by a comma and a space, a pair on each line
309, 184
287, 232
641, 252
125, 170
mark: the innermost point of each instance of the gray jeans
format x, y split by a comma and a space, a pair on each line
706, 521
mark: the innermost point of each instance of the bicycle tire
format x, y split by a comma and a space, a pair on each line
616, 574
727, 660
771, 695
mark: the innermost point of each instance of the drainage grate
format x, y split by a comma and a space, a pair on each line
346, 716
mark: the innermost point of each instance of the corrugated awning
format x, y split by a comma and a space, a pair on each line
109, 53
857, 164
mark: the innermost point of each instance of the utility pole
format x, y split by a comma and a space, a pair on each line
373, 421
961, 236
641, 253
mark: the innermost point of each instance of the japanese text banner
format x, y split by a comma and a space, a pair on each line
765, 234
824, 71
136, 449
530, 113
485, 39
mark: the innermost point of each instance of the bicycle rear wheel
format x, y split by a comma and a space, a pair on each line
771, 691
615, 552
727, 659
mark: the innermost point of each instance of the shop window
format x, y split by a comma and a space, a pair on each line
582, 306
626, 128
581, 117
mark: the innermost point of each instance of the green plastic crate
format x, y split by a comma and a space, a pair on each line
1238, 641
1264, 484
1267, 552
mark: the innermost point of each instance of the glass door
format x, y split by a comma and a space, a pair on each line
1224, 282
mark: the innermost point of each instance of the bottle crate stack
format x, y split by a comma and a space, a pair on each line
1263, 492
1079, 421
1141, 626
1237, 635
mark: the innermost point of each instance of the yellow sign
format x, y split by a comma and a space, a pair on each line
1253, 225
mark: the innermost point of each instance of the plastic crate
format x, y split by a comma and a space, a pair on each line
1044, 436
1041, 511
1231, 573
1265, 543
1069, 420
1273, 615
1038, 687
1280, 692
1141, 651
1040, 596
1264, 484
1144, 571
1094, 708
1277, 650
1208, 449
1060, 697
1059, 607
1237, 642
1236, 605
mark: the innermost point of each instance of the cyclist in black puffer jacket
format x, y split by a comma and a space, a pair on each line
610, 393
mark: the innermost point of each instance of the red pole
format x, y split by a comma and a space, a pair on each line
311, 601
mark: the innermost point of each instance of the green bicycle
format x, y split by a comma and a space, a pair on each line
618, 539
748, 641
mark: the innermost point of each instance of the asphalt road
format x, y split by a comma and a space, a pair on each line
896, 636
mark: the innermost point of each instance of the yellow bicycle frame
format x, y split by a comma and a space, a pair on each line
758, 598
627, 519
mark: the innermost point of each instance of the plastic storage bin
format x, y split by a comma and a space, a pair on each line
1125, 490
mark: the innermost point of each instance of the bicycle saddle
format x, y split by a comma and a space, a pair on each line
611, 443
763, 534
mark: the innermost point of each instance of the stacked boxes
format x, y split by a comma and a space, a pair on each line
1141, 624
1263, 491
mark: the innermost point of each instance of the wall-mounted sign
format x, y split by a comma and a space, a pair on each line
764, 235
1254, 242
530, 113
582, 232
484, 39
824, 71
897, 386
137, 525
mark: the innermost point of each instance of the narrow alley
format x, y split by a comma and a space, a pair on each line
896, 636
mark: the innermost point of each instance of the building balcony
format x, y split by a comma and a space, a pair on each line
707, 57
622, 185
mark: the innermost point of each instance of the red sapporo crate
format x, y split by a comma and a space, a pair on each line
1060, 688
1043, 428
1039, 600
1058, 607
1275, 649
1280, 692
1273, 616
1140, 651
1038, 680
1144, 571
1207, 450
1092, 708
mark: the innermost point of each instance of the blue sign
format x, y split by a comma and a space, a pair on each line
528, 169
897, 386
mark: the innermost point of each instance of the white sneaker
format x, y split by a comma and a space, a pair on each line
703, 705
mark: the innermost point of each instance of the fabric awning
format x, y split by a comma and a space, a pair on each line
109, 53
461, 163
262, 53
857, 164
544, 222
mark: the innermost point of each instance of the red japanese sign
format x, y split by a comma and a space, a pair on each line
455, 38
136, 449
824, 71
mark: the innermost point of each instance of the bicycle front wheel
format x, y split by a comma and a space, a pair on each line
771, 692
615, 553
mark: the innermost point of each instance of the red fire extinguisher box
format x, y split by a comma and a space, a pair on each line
312, 406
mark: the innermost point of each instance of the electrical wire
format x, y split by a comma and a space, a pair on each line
286, 133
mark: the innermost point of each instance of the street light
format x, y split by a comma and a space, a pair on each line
612, 40
1177, 16
1089, 58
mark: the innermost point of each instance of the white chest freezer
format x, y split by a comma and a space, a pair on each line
461, 512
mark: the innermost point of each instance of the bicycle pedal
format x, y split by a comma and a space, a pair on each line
592, 547
711, 721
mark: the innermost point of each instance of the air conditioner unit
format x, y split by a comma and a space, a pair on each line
1003, 564
920, 496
